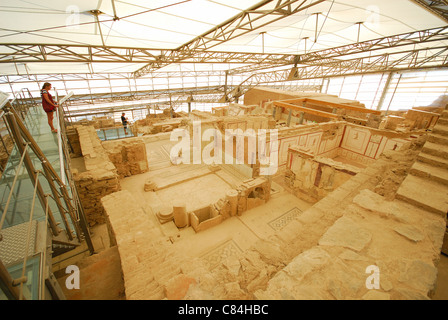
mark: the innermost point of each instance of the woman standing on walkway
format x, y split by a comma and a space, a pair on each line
48, 104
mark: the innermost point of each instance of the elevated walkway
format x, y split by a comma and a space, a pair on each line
41, 216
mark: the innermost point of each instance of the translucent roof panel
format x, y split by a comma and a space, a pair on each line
159, 26
335, 24
145, 24
200, 67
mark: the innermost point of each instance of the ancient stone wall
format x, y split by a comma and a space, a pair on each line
327, 252
92, 185
313, 178
419, 119
250, 194
129, 157
96, 122
322, 254
100, 177
73, 140
147, 267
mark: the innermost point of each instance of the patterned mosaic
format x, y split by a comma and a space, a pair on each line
280, 222
219, 254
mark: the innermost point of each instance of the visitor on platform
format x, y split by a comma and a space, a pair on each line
48, 104
124, 121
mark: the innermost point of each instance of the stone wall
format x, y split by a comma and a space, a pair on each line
73, 140
313, 178
419, 119
105, 163
100, 177
128, 156
398, 241
97, 122
145, 260
250, 194
328, 250
92, 185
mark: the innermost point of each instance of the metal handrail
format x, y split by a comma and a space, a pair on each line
76, 211
59, 134
59, 192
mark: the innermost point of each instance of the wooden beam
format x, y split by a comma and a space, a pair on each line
306, 110
342, 106
330, 105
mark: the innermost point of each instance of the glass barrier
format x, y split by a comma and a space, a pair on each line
20, 205
114, 133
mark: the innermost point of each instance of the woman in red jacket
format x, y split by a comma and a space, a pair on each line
48, 104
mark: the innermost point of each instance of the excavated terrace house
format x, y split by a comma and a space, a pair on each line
273, 150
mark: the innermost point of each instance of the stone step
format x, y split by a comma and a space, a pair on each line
152, 286
155, 259
433, 160
161, 265
149, 293
424, 170
443, 121
163, 277
435, 149
437, 138
423, 193
156, 294
444, 114
158, 258
440, 129
165, 267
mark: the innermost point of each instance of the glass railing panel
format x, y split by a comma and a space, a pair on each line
113, 133
37, 124
30, 289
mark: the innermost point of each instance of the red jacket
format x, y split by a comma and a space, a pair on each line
47, 107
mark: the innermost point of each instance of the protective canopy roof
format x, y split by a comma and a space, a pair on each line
158, 25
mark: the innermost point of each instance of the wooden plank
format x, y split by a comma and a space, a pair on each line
342, 106
330, 105
306, 110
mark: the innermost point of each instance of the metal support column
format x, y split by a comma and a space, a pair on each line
393, 94
383, 94
225, 86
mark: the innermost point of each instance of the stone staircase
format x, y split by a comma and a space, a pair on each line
147, 257
163, 265
426, 185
